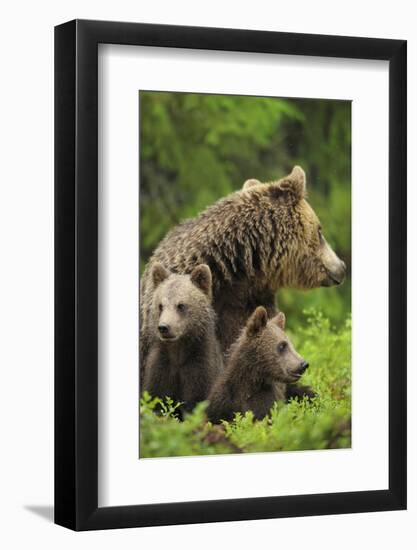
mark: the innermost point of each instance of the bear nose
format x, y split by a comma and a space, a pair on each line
163, 329
340, 273
303, 367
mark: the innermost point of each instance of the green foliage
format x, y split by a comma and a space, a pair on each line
321, 423
196, 148
164, 435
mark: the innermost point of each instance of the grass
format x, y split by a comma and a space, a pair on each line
322, 423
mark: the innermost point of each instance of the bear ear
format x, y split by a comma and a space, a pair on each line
279, 320
257, 321
159, 274
292, 186
250, 183
297, 182
201, 278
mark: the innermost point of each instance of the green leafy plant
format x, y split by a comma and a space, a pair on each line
321, 423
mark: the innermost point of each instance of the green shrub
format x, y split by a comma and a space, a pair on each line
320, 423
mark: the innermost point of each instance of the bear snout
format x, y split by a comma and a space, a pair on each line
165, 331
302, 368
335, 275
338, 275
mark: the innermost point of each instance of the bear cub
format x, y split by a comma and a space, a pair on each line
184, 358
261, 368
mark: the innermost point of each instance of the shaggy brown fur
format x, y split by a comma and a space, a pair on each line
255, 241
261, 366
184, 357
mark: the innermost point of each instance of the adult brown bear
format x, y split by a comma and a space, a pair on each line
255, 241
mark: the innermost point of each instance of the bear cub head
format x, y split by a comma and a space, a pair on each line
265, 348
182, 304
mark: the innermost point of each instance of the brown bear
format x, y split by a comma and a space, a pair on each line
184, 357
255, 241
261, 367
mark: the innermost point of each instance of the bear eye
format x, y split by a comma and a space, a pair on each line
282, 346
181, 307
160, 307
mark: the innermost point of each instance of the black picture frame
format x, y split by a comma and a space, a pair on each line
76, 272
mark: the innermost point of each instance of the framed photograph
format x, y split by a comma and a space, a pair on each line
230, 275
